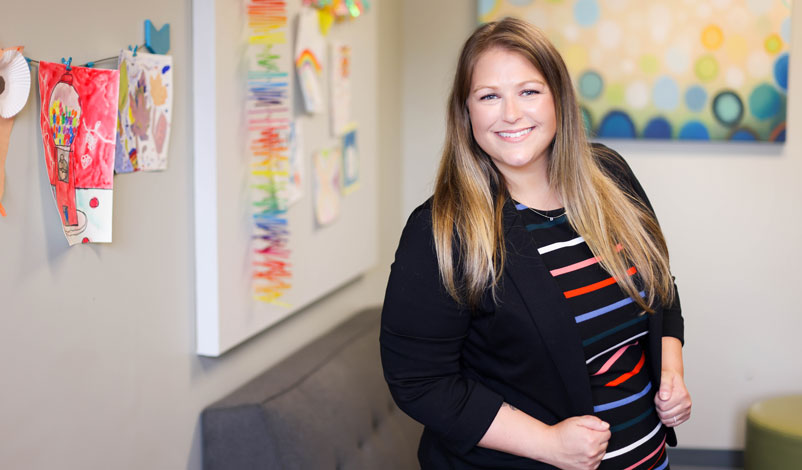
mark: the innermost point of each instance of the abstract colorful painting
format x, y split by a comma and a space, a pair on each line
683, 69
144, 113
350, 161
78, 120
326, 178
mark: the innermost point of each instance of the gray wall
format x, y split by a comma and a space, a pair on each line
99, 367
730, 213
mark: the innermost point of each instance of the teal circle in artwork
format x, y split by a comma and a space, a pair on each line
617, 124
586, 12
728, 108
743, 135
657, 128
486, 6
764, 102
587, 120
590, 85
694, 130
665, 93
695, 98
781, 71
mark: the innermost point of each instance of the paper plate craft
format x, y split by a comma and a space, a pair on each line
144, 112
15, 83
78, 120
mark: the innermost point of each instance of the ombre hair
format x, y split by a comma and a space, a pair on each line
470, 191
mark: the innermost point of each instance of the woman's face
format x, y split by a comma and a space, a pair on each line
512, 112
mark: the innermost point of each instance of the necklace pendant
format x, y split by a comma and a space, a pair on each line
551, 219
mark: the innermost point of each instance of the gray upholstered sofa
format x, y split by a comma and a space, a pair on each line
325, 407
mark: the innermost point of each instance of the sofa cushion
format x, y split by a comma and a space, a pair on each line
325, 407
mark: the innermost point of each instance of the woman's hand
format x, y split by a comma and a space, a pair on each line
579, 443
673, 401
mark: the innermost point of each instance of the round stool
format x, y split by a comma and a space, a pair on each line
774, 434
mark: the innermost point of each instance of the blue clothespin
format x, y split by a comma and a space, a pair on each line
67, 62
133, 49
157, 41
90, 64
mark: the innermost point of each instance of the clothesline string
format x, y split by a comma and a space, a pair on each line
88, 64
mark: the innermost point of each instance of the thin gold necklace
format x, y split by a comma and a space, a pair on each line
551, 218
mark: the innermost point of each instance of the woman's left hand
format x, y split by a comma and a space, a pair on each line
673, 401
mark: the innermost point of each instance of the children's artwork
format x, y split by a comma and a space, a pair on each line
294, 189
340, 112
697, 70
78, 120
309, 50
350, 161
144, 112
326, 177
15, 84
267, 108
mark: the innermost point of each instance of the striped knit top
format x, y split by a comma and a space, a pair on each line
613, 329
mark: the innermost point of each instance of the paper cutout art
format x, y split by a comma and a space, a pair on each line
330, 10
309, 50
144, 112
326, 177
294, 189
340, 110
268, 108
157, 40
350, 162
15, 84
78, 120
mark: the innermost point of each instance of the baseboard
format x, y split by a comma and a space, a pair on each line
707, 457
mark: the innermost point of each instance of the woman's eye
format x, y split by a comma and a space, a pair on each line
530, 92
488, 97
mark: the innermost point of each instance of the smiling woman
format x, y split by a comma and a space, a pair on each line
530, 319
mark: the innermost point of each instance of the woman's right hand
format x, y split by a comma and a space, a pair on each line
579, 443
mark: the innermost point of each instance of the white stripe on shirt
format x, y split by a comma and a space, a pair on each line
558, 245
635, 444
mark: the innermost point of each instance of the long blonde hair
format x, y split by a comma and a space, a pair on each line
470, 191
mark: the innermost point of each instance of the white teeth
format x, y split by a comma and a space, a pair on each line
512, 135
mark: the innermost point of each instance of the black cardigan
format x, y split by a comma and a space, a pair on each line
451, 370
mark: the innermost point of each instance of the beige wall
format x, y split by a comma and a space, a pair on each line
730, 213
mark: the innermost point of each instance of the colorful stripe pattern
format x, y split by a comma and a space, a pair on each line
611, 326
268, 122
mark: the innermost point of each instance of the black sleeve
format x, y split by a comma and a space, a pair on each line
618, 169
422, 334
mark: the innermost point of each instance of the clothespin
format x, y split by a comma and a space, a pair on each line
90, 64
67, 62
134, 49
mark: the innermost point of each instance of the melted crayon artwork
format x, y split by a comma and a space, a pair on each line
78, 120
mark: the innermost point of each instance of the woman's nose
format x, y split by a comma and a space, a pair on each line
512, 111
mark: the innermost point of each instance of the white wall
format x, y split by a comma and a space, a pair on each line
730, 213
97, 341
